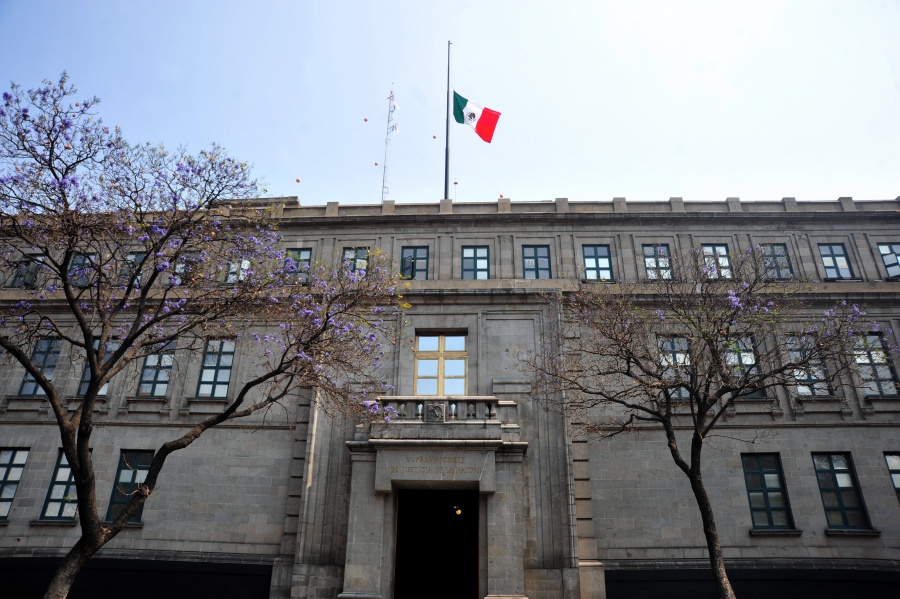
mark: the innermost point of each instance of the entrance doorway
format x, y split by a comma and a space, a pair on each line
437, 545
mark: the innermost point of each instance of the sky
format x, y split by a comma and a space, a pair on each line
639, 99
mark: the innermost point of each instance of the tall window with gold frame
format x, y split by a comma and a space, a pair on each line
441, 366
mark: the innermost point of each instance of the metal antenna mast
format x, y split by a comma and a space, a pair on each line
391, 126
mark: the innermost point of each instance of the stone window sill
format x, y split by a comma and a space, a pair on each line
53, 523
129, 524
775, 532
859, 532
842, 280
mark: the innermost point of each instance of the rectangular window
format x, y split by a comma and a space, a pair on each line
657, 262
111, 347
776, 261
133, 467
810, 378
476, 262
893, 464
769, 507
874, 366
889, 255
835, 261
238, 270
81, 269
44, 355
12, 464
356, 259
839, 489
216, 372
130, 266
187, 269
441, 365
414, 263
674, 358
62, 498
156, 372
741, 357
597, 264
716, 262
26, 272
536, 261
297, 264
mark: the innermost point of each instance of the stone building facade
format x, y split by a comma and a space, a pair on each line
477, 490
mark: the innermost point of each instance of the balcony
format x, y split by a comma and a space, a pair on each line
451, 418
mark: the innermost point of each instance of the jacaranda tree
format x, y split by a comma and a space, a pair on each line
116, 252
679, 351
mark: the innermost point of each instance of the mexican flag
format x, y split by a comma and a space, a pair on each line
483, 120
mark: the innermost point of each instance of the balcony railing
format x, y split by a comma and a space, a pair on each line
438, 409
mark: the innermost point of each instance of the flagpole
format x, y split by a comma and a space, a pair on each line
447, 133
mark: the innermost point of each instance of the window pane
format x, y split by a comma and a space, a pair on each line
454, 367
454, 387
426, 387
455, 343
428, 344
428, 368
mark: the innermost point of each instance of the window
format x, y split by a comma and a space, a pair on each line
26, 272
776, 261
133, 467
131, 265
766, 491
536, 261
156, 372
716, 263
216, 371
297, 264
597, 265
893, 464
357, 259
62, 498
111, 347
874, 366
80, 269
414, 263
838, 487
441, 365
889, 255
238, 271
811, 377
741, 357
674, 358
187, 267
44, 356
12, 464
657, 262
475, 262
834, 259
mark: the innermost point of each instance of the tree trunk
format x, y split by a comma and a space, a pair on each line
712, 536
67, 571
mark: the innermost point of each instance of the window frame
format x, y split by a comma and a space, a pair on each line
656, 272
67, 497
441, 355
739, 348
355, 262
718, 262
185, 266
597, 258
674, 357
893, 470
81, 268
111, 346
47, 369
412, 264
168, 350
473, 262
302, 263
121, 491
814, 375
238, 271
875, 368
836, 488
777, 266
890, 250
25, 273
537, 271
131, 265
835, 274
11, 471
216, 368
766, 472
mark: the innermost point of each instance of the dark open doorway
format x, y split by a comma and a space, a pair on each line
437, 545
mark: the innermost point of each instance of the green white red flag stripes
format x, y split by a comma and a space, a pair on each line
482, 120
